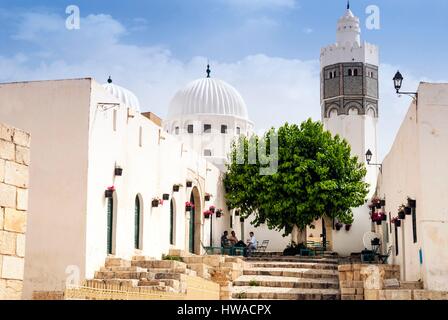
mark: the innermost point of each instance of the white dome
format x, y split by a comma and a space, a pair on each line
208, 96
124, 95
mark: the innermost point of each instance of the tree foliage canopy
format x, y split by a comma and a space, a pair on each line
316, 177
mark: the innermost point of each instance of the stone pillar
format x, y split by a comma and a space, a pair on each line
14, 175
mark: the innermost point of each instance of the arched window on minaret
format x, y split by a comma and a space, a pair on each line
350, 72
355, 72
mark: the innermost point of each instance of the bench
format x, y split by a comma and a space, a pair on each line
318, 248
261, 248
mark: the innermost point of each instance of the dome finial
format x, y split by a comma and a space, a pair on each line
348, 4
208, 70
109, 80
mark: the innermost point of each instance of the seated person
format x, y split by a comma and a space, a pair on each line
251, 244
233, 239
224, 240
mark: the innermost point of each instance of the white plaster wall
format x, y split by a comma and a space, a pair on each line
56, 115
416, 167
366, 53
360, 132
215, 141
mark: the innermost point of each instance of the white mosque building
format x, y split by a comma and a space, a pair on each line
208, 114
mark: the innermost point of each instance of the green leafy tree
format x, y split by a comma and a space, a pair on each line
317, 176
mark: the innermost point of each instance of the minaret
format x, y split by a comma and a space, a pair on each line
349, 101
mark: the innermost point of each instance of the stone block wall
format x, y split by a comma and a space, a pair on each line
360, 281
14, 177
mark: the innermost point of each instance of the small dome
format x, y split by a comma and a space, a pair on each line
124, 95
208, 96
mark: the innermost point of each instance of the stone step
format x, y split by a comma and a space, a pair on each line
286, 282
121, 269
122, 283
295, 259
158, 288
411, 285
123, 275
272, 293
117, 262
170, 276
143, 258
300, 265
292, 272
160, 264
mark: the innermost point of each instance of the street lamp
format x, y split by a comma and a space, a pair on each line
369, 156
398, 82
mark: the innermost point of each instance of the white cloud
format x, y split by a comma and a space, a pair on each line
276, 90
308, 30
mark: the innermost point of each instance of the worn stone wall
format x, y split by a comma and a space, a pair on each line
358, 281
14, 176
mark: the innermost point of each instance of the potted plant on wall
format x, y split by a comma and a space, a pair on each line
383, 202
396, 221
110, 192
189, 206
118, 171
408, 211
176, 187
207, 214
189, 184
207, 196
237, 213
241, 219
219, 213
212, 209
378, 217
155, 202
412, 203
166, 196
348, 227
376, 202
401, 212
338, 226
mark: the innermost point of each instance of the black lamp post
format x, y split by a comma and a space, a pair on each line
398, 82
369, 156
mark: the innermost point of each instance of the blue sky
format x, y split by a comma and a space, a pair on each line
267, 49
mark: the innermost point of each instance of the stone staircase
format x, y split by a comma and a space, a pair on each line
142, 272
288, 278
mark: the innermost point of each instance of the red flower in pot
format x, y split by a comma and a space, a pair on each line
189, 206
207, 214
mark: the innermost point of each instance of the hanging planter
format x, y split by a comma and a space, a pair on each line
348, 227
208, 214
110, 192
383, 203
118, 171
155, 203
207, 197
176, 187
189, 184
338, 226
412, 203
219, 213
189, 206
237, 213
408, 211
166, 196
396, 221
379, 222
241, 219
212, 209
384, 217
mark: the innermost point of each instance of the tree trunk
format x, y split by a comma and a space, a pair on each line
298, 236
